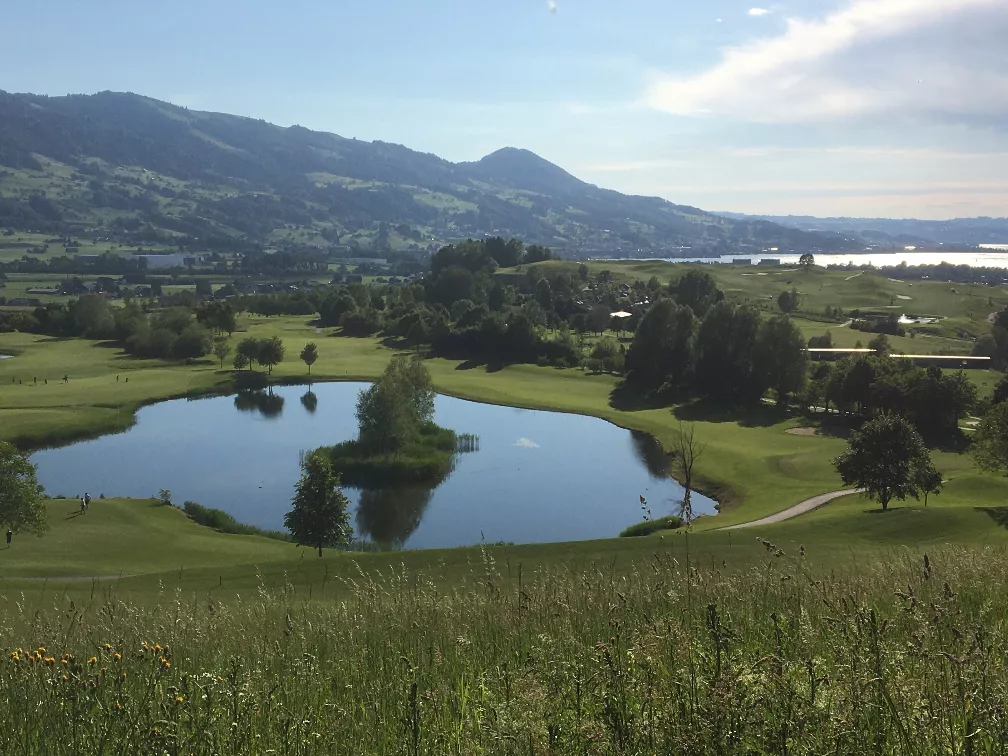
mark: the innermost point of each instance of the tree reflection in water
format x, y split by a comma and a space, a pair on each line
651, 454
266, 403
389, 516
309, 401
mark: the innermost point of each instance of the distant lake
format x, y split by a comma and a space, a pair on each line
537, 477
997, 257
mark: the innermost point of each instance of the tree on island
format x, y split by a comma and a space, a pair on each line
807, 260
393, 409
22, 505
221, 350
271, 353
888, 459
319, 514
309, 355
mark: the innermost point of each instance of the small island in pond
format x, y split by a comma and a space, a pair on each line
398, 443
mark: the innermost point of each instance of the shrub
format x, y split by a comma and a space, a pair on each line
672, 522
223, 522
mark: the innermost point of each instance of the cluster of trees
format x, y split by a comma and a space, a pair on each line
995, 343
932, 400
695, 340
266, 352
170, 333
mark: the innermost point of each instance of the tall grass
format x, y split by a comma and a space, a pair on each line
900, 656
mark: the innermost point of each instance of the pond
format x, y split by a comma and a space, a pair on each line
537, 476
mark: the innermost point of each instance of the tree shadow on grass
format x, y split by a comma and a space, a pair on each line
493, 366
630, 399
707, 411
998, 514
880, 511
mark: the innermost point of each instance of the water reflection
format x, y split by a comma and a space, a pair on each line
389, 516
266, 403
309, 401
651, 454
537, 476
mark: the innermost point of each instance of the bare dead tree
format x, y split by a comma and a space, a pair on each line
686, 450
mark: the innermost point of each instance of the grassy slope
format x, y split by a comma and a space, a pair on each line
760, 467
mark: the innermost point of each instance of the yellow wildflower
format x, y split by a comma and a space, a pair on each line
116, 656
180, 699
92, 661
63, 678
49, 660
108, 646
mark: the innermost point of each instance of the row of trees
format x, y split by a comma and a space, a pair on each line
933, 400
170, 333
731, 354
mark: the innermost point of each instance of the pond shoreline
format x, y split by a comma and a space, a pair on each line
579, 479
725, 494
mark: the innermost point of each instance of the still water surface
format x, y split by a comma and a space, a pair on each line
995, 258
537, 477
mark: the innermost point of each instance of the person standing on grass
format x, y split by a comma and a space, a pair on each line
10, 534
82, 505
87, 501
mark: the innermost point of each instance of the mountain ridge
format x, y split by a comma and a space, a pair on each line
133, 167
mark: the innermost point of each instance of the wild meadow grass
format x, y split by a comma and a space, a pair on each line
903, 655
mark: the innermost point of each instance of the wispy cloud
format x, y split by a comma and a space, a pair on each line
526, 443
758, 11
934, 58
553, 7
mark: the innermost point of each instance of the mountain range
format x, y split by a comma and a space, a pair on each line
902, 231
131, 168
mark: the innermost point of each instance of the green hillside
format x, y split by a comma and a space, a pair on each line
132, 169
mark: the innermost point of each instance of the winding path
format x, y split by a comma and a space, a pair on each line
798, 509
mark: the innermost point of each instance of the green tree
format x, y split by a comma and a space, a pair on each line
887, 458
221, 349
780, 356
880, 344
394, 408
990, 442
271, 353
697, 290
319, 513
725, 354
599, 318
583, 273
309, 355
22, 503
807, 260
662, 348
248, 351
788, 301
608, 356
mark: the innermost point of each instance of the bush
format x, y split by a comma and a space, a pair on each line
222, 522
672, 522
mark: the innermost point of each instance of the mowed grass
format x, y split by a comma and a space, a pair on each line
752, 464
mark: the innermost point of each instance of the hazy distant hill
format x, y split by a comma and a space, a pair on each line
140, 169
958, 231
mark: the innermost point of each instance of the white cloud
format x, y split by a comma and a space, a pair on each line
933, 58
758, 11
526, 443
553, 7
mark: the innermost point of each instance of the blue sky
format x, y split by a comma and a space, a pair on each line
826, 107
